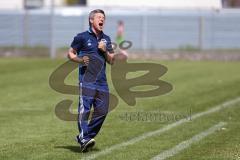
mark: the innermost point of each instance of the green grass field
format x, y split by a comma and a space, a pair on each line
30, 130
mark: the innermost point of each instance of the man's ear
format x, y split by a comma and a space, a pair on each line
91, 21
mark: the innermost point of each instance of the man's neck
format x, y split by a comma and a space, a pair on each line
95, 32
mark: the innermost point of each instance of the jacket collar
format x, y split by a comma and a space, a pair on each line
91, 32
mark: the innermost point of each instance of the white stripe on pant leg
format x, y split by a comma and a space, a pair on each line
185, 144
162, 130
81, 110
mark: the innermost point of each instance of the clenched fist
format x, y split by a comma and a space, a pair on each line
102, 46
85, 60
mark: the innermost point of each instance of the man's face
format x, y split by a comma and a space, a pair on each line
98, 22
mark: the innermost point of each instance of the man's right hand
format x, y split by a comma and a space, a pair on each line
85, 60
72, 55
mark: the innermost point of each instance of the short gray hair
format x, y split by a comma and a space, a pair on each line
92, 13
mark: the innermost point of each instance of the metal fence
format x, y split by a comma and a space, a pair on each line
148, 30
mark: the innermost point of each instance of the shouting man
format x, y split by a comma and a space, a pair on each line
92, 49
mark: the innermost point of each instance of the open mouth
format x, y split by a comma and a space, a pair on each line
101, 24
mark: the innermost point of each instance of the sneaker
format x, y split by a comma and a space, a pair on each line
87, 145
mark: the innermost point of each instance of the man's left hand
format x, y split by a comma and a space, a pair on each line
102, 46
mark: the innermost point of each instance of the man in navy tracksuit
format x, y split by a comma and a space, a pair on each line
92, 49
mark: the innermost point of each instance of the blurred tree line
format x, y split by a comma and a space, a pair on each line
76, 2
231, 3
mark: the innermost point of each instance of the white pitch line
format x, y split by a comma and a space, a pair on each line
185, 144
161, 130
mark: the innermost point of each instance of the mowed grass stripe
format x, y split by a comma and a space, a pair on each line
185, 144
162, 130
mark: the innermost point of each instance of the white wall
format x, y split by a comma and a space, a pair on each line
11, 4
47, 3
19, 4
158, 3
